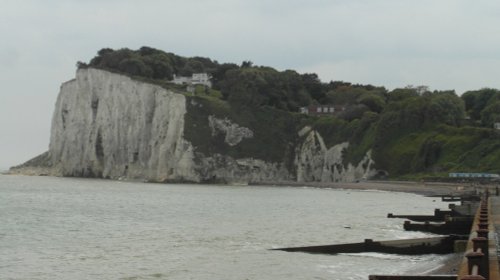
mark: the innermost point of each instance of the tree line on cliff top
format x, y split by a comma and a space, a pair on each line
411, 129
256, 86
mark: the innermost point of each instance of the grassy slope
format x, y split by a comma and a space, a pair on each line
436, 151
430, 151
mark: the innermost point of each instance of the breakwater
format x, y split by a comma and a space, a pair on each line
471, 227
481, 256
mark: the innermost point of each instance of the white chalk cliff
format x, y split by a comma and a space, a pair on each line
233, 132
110, 126
317, 163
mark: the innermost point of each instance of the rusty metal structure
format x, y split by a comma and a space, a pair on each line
481, 259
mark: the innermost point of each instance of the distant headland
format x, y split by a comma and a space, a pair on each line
152, 115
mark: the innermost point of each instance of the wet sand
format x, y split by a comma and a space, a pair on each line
449, 266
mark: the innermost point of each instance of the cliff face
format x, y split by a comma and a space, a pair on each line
110, 126
107, 125
317, 163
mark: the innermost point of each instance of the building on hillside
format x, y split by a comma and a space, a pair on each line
201, 79
321, 110
496, 125
195, 79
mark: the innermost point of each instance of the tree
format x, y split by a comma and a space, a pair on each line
110, 59
80, 65
444, 107
246, 64
161, 65
491, 113
219, 74
313, 85
353, 112
401, 93
147, 51
242, 87
135, 67
104, 51
476, 101
374, 102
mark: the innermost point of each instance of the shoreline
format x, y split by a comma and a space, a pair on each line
448, 266
420, 188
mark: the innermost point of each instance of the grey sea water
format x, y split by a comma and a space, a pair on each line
63, 228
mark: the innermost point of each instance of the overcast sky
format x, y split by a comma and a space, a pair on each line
444, 44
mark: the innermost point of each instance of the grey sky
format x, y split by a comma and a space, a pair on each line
445, 44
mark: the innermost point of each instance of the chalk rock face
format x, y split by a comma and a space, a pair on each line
107, 125
233, 132
219, 167
110, 126
317, 163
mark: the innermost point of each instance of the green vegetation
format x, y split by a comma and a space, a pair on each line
275, 131
241, 85
412, 132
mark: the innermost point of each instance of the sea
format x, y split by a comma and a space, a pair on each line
69, 228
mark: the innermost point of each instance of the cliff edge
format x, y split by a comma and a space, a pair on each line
107, 125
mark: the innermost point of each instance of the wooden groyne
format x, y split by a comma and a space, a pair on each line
451, 226
473, 227
439, 216
480, 261
417, 246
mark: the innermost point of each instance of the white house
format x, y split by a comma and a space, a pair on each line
496, 125
316, 110
195, 79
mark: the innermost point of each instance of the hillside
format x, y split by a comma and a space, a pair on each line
248, 126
